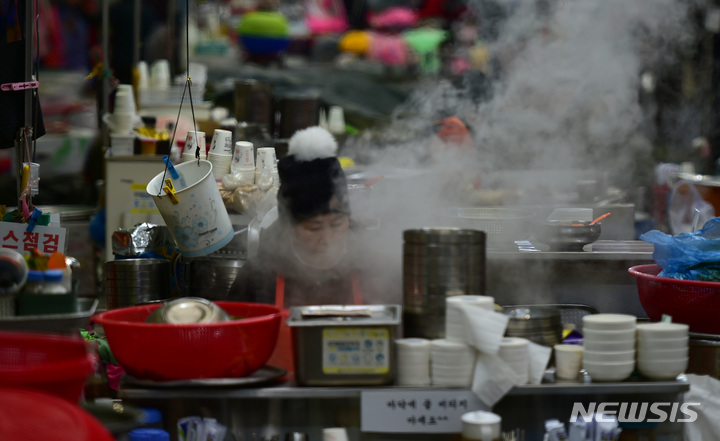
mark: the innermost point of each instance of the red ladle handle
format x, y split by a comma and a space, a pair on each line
599, 218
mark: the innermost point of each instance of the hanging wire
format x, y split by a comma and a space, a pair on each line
36, 95
188, 89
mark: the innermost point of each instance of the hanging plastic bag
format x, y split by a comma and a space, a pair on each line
689, 256
685, 204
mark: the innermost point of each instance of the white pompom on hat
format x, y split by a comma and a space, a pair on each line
312, 143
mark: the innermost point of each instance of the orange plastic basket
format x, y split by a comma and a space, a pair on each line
165, 352
54, 364
692, 302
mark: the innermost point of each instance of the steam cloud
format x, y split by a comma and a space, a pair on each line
566, 98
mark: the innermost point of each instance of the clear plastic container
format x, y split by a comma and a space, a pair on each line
53, 283
35, 282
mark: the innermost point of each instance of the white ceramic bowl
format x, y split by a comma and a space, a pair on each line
605, 371
610, 322
609, 346
662, 330
608, 336
662, 354
656, 343
609, 357
662, 369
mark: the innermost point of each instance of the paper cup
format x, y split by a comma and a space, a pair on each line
124, 99
568, 360
265, 154
221, 164
198, 222
244, 156
143, 75
193, 139
222, 142
160, 74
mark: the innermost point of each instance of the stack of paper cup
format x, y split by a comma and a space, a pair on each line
266, 155
453, 363
514, 351
124, 116
413, 362
221, 152
193, 140
243, 163
160, 74
455, 323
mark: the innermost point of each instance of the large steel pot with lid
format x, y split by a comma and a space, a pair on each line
438, 263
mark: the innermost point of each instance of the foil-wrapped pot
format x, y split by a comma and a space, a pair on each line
143, 240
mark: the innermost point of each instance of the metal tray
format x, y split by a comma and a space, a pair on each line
263, 375
67, 323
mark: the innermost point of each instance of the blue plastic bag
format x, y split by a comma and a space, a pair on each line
689, 256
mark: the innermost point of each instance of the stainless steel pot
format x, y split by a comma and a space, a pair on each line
438, 263
704, 355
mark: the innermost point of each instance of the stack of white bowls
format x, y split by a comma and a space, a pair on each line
413, 362
662, 350
453, 363
514, 351
221, 152
609, 346
455, 322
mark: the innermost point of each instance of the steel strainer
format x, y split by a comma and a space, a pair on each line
503, 226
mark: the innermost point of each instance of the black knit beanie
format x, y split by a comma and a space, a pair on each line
312, 182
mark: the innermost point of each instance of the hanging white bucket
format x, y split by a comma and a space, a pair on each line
197, 219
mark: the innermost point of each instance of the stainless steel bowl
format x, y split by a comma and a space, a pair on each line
185, 310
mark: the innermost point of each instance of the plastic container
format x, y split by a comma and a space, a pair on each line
162, 352
692, 302
29, 415
53, 283
35, 282
51, 363
336, 345
148, 434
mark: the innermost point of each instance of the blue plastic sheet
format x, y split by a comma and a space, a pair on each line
689, 256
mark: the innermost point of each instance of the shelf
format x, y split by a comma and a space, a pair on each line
289, 391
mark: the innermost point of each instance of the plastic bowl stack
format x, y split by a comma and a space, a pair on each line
609, 346
662, 350
514, 351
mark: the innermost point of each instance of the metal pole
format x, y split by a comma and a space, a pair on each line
137, 25
105, 84
28, 95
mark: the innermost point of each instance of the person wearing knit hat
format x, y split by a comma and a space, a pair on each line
306, 257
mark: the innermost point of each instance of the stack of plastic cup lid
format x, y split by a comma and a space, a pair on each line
514, 351
193, 140
413, 362
243, 163
453, 363
221, 152
455, 322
